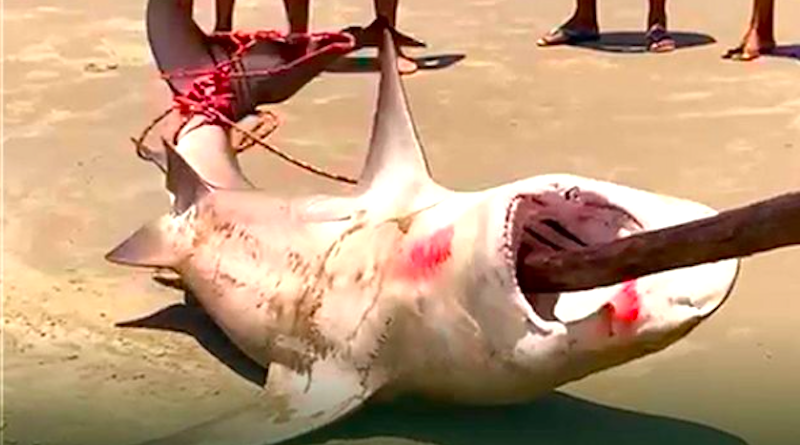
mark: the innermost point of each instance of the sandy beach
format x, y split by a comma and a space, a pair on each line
79, 82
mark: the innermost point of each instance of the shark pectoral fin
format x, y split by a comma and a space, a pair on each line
294, 404
309, 401
147, 247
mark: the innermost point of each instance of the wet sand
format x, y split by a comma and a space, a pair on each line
79, 82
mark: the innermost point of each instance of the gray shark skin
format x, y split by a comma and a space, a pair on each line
406, 286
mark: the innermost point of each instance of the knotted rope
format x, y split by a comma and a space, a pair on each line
211, 93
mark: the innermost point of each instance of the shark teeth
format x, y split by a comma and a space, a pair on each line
509, 247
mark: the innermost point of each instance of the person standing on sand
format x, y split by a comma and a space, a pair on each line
760, 35
297, 12
583, 27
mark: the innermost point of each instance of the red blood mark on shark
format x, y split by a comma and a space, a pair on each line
424, 256
625, 304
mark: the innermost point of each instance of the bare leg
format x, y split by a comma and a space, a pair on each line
582, 26
224, 11
658, 39
760, 35
657, 15
388, 10
298, 15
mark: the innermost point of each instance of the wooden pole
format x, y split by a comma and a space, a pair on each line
736, 233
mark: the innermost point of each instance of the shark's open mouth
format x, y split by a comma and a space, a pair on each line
551, 221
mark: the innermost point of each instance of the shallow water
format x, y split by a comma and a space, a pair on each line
685, 124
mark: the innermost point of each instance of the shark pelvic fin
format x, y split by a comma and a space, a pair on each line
293, 404
186, 186
394, 150
147, 247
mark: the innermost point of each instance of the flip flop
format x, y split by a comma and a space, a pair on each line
659, 40
566, 36
738, 54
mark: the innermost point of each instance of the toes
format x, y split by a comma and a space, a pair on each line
662, 46
406, 65
659, 40
741, 54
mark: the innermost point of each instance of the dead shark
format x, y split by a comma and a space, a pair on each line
405, 286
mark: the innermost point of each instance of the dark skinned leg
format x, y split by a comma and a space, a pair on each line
298, 13
224, 15
658, 39
760, 35
388, 9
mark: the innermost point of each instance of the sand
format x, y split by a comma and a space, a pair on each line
79, 82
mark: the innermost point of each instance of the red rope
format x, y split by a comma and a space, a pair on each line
211, 92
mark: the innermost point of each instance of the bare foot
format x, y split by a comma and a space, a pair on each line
751, 48
406, 65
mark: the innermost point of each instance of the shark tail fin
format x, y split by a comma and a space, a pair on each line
185, 185
150, 246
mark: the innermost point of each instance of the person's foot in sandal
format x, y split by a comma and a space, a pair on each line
659, 40
581, 27
760, 36
565, 35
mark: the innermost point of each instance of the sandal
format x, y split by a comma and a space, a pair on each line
739, 54
567, 36
659, 40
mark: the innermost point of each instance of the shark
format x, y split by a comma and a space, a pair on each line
403, 286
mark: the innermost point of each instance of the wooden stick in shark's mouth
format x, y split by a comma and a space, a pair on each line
736, 233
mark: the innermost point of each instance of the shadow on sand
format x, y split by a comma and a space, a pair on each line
557, 419
786, 51
636, 42
191, 319
369, 64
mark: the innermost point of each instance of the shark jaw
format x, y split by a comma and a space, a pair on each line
487, 342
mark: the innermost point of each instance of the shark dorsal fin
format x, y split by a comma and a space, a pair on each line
394, 150
185, 185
